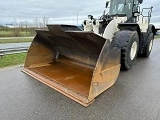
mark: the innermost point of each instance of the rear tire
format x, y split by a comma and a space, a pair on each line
128, 41
149, 45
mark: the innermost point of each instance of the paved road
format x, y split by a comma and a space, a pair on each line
14, 45
135, 96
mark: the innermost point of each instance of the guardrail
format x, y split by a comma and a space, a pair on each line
13, 51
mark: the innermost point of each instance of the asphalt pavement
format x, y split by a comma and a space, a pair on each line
15, 45
135, 96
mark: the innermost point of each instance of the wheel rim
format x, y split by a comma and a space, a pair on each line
133, 50
150, 45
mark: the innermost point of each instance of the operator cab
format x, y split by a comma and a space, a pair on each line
123, 8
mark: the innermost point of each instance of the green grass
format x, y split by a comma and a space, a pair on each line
15, 40
157, 36
14, 59
24, 34
17, 32
5, 33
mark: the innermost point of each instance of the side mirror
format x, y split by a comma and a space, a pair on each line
140, 1
107, 3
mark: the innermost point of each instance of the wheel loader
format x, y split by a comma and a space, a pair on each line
82, 64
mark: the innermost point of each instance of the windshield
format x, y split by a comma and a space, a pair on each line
121, 8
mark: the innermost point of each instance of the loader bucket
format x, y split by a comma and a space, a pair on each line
78, 64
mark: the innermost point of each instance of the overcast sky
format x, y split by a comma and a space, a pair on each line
60, 11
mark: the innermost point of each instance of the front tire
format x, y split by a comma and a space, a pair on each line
128, 41
129, 52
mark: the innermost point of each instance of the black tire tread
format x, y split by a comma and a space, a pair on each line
146, 53
121, 40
